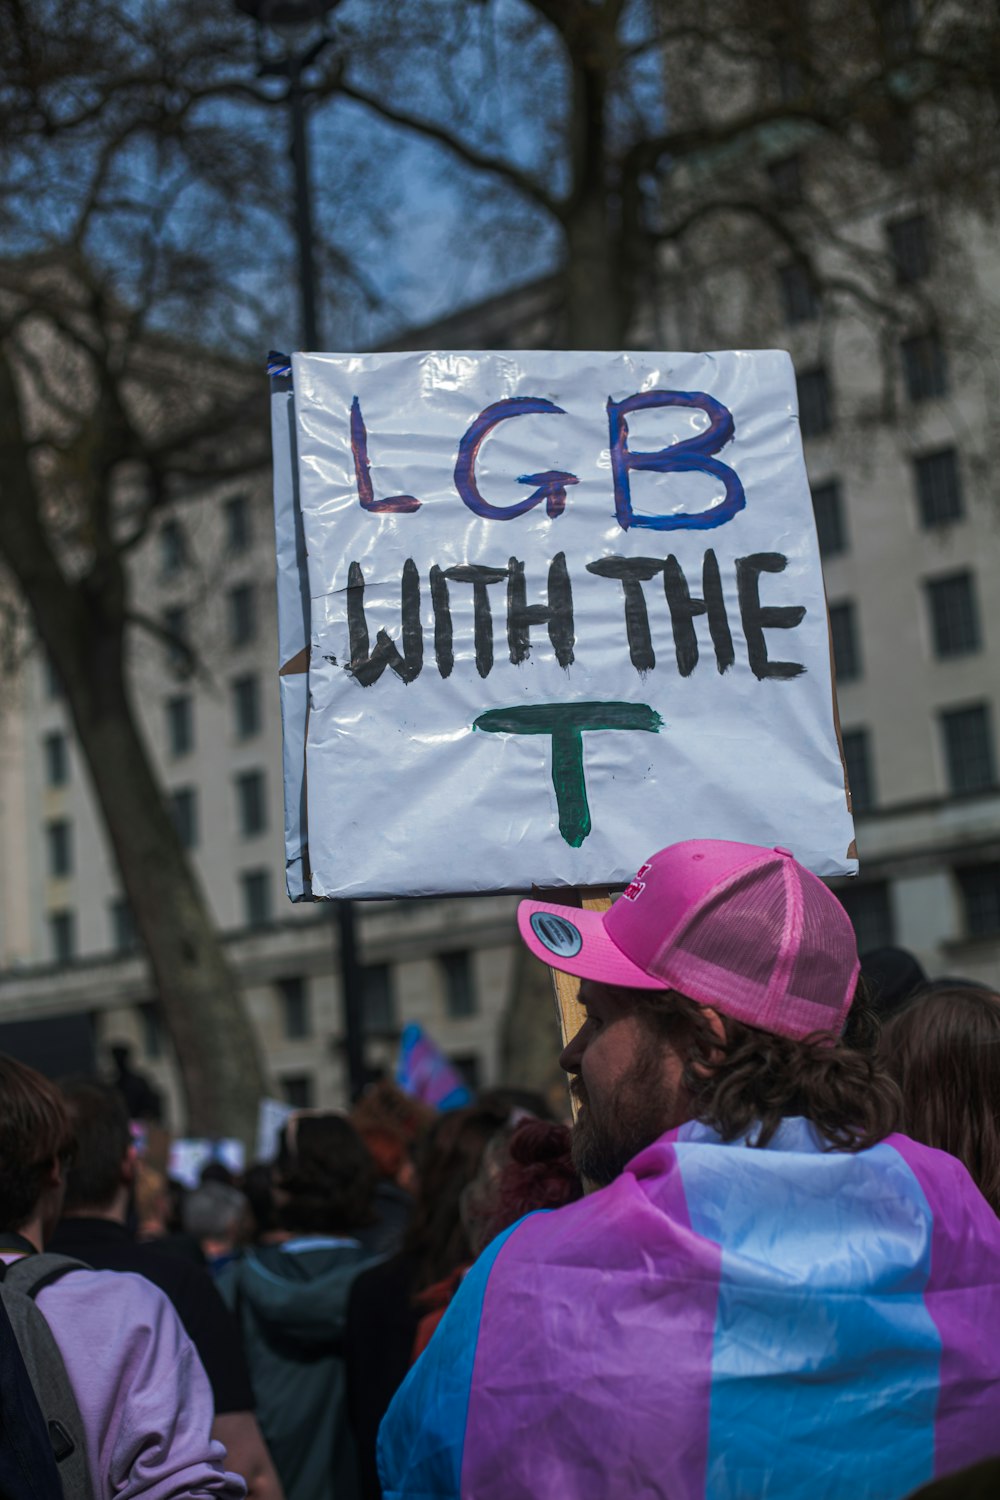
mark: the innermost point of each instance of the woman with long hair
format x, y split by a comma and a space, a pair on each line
943, 1049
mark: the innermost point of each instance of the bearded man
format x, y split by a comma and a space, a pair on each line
769, 1293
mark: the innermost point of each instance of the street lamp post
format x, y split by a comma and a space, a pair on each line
300, 27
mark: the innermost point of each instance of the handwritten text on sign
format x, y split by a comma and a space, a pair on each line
473, 644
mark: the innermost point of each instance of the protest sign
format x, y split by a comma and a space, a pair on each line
564, 609
189, 1155
272, 1116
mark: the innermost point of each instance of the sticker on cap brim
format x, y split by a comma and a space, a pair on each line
556, 934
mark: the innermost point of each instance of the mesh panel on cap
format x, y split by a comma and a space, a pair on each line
826, 952
748, 935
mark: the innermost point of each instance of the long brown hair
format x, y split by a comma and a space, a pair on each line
447, 1160
324, 1176
943, 1049
751, 1080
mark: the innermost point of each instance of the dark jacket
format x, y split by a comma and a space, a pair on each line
291, 1302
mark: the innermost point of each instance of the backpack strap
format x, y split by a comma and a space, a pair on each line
11, 1240
35, 1272
21, 1283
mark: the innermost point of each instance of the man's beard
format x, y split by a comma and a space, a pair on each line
643, 1108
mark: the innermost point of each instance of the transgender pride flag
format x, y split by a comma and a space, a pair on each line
720, 1322
426, 1073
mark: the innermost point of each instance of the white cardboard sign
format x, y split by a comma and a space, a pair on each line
563, 609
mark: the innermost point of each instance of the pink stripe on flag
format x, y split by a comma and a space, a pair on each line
622, 1273
963, 1299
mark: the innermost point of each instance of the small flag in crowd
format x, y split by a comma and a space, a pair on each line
426, 1073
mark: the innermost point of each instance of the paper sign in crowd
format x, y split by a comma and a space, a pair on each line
543, 613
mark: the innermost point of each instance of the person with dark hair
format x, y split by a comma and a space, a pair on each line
94, 1228
892, 976
384, 1309
943, 1049
748, 1303
141, 1099
145, 1404
290, 1296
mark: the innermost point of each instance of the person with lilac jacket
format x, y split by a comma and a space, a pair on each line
144, 1398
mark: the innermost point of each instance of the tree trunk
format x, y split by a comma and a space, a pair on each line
597, 300
216, 1048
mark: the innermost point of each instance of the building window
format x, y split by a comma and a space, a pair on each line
939, 487
785, 177
56, 753
870, 911
846, 648
152, 1030
466, 1065
242, 614
910, 247
798, 292
238, 527
62, 936
294, 1007
175, 625
954, 614
378, 1001
968, 749
246, 706
256, 886
124, 938
460, 989
184, 812
815, 412
173, 549
180, 725
59, 839
251, 803
925, 369
980, 888
860, 777
298, 1090
53, 682
831, 525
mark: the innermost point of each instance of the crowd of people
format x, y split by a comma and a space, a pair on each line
769, 1262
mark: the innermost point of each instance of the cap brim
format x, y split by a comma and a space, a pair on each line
577, 942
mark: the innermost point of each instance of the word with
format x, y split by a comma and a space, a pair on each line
567, 723
690, 455
367, 664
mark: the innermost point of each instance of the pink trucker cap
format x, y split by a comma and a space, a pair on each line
736, 926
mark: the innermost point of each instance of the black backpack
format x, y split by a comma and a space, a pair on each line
54, 1417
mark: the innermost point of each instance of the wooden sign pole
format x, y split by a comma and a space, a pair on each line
566, 987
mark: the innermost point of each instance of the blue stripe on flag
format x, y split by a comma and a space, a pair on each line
826, 1361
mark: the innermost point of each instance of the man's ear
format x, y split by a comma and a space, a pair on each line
718, 1028
55, 1173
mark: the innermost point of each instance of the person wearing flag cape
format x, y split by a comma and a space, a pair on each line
769, 1292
